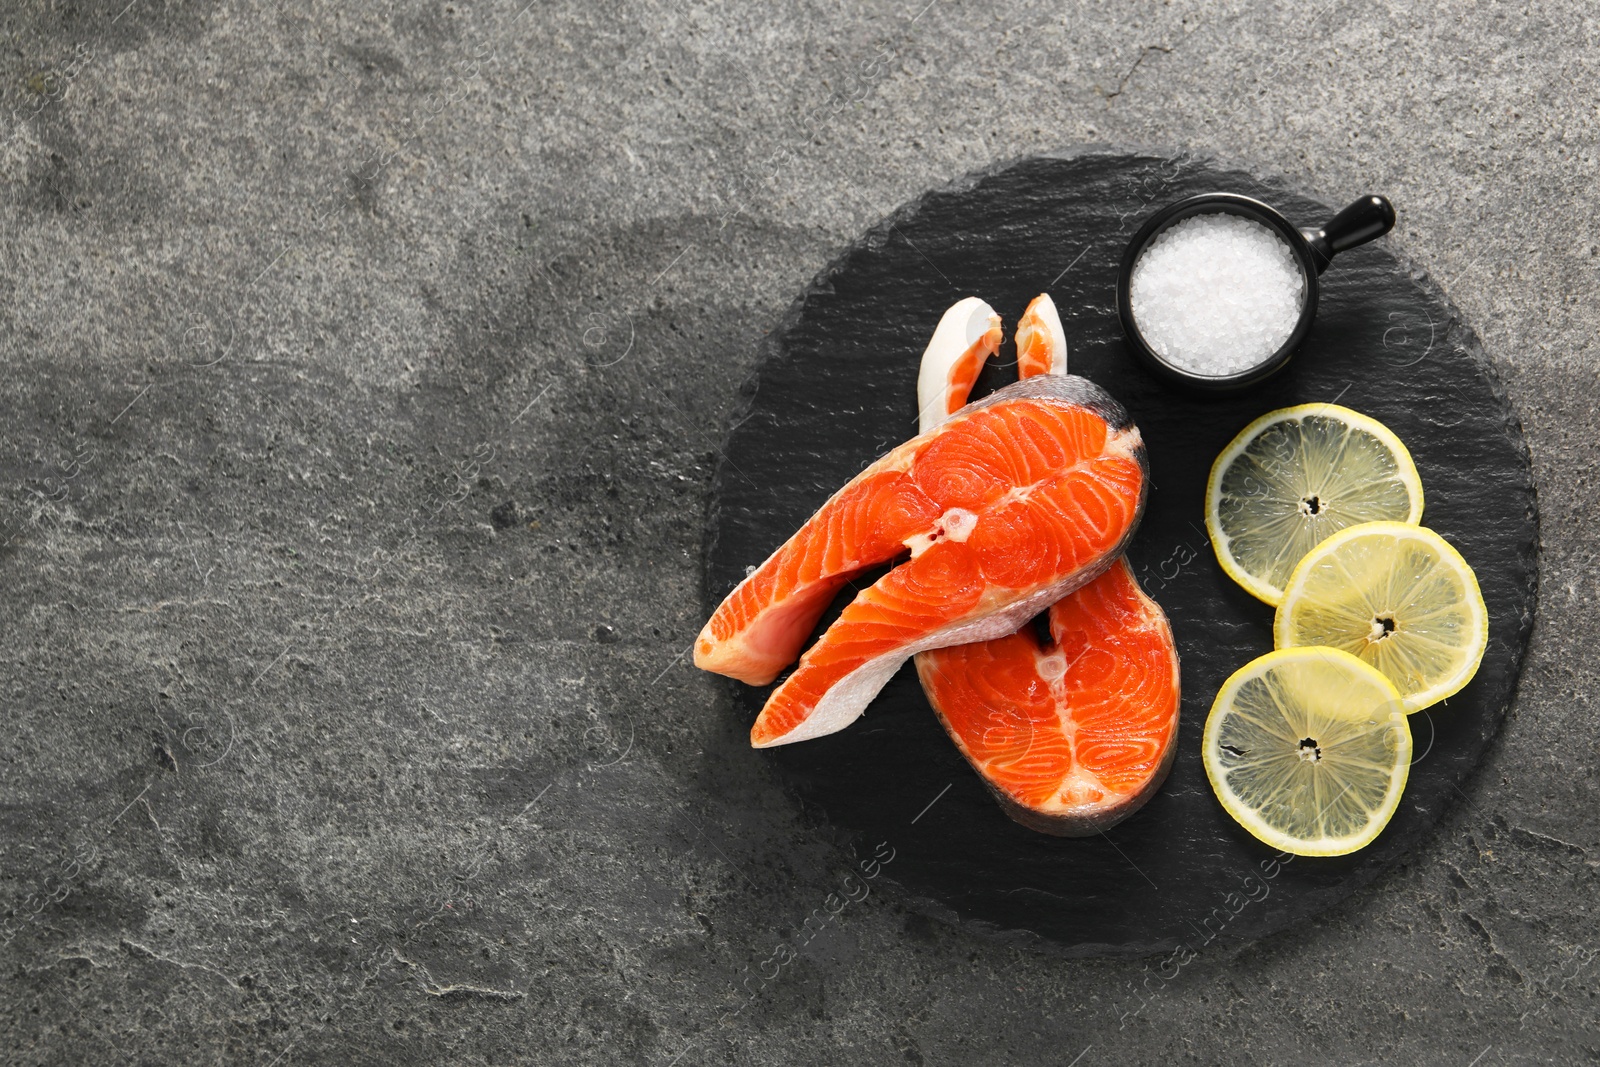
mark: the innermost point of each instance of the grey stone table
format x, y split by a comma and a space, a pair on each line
364, 368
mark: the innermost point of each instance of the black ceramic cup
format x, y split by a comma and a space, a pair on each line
1367, 219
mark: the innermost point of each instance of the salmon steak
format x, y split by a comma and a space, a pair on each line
1074, 734
1011, 503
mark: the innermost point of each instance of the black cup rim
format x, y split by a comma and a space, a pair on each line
1217, 203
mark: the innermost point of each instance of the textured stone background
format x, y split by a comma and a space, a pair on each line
363, 375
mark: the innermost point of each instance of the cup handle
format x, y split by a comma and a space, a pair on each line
1365, 220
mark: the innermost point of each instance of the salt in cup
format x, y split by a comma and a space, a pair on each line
1217, 275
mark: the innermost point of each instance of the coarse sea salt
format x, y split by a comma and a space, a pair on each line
1216, 294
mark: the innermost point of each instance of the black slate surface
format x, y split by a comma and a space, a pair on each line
838, 388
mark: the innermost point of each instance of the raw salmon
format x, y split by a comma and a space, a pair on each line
1075, 735
1009, 505
1041, 343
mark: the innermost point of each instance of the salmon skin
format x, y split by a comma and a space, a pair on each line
1075, 735
1012, 503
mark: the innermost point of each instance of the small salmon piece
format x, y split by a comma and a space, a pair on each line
1009, 505
967, 335
1073, 736
1041, 342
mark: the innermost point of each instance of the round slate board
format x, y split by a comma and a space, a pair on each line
837, 389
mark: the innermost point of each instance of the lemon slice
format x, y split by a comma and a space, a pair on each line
1397, 596
1296, 476
1308, 748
